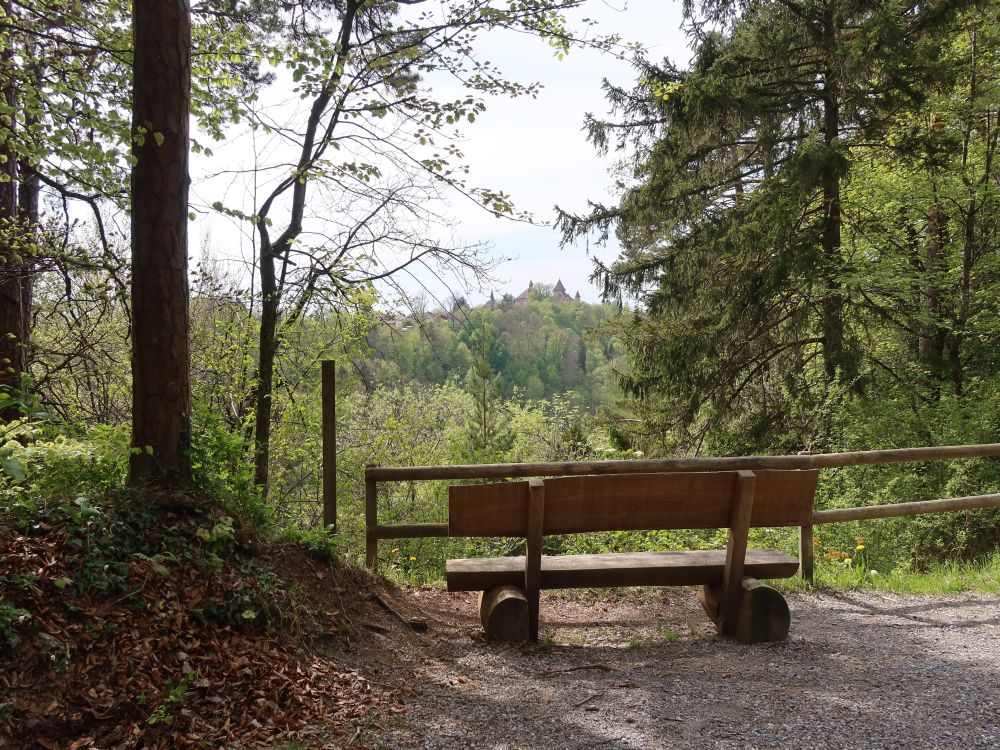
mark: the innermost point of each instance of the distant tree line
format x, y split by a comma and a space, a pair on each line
538, 348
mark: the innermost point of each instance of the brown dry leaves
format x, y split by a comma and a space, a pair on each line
142, 671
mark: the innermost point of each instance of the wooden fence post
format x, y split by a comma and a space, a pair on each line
806, 553
328, 378
371, 521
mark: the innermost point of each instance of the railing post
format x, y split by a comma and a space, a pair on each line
328, 372
371, 521
806, 553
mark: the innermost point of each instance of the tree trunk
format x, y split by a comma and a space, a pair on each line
28, 192
271, 287
265, 369
956, 365
13, 315
833, 300
161, 389
969, 234
932, 340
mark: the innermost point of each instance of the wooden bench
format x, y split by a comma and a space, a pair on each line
739, 604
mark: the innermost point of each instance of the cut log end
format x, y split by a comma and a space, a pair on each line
504, 614
763, 615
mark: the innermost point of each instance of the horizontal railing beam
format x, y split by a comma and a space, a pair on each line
409, 530
869, 512
649, 466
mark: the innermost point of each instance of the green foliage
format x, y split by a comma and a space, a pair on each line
173, 700
113, 544
541, 348
13, 623
934, 578
320, 542
258, 602
727, 230
219, 465
59, 463
783, 220
807, 219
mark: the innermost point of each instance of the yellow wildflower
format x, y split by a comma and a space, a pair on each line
859, 547
412, 557
847, 561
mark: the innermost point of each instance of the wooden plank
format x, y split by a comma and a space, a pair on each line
408, 530
806, 552
736, 549
328, 376
371, 522
533, 554
690, 500
734, 463
681, 568
488, 509
969, 502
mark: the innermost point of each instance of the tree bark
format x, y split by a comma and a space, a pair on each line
833, 299
14, 317
268, 347
932, 340
161, 390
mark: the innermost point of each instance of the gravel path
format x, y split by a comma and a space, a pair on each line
644, 670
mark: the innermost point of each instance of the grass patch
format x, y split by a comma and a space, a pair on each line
942, 578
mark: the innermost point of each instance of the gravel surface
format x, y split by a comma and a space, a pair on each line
645, 670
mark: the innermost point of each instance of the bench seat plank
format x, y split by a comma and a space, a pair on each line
674, 568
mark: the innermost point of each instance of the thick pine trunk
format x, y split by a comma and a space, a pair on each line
161, 392
14, 316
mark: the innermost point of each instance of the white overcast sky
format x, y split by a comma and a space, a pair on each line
533, 149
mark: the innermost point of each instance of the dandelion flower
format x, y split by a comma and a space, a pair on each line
859, 547
413, 557
847, 561
395, 549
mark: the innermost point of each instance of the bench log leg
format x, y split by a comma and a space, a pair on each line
763, 615
504, 612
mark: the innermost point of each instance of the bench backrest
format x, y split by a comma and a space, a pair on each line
631, 502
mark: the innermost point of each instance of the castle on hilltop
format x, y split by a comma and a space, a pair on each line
558, 293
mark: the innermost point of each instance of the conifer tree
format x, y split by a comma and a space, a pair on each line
731, 220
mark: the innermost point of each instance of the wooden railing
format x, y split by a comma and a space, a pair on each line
374, 531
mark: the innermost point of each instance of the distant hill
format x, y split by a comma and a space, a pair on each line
542, 343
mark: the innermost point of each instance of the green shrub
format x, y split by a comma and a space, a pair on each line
222, 465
